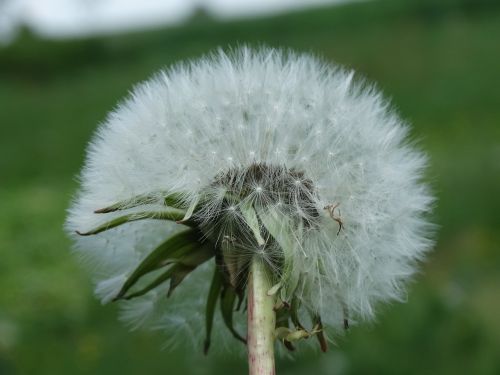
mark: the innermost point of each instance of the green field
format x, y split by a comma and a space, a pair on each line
438, 61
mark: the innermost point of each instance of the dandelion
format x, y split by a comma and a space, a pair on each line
258, 183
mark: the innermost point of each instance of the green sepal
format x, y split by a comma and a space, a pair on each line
346, 316
174, 247
200, 253
294, 317
287, 334
227, 300
189, 213
169, 199
213, 295
180, 274
274, 289
172, 214
282, 315
196, 254
320, 335
297, 335
289, 345
281, 333
230, 259
283, 326
280, 228
169, 273
252, 221
240, 292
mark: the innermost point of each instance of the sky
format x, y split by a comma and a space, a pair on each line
74, 18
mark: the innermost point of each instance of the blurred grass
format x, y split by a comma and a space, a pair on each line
439, 61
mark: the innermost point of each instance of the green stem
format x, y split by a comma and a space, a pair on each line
261, 321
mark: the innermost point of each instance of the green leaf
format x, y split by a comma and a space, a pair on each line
169, 199
213, 295
227, 299
172, 214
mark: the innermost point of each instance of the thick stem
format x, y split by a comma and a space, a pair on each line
261, 321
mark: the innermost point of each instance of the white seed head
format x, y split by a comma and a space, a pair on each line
322, 159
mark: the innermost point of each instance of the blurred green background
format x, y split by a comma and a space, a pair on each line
439, 61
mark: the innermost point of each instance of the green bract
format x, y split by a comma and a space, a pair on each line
254, 227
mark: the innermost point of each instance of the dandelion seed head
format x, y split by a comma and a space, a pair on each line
287, 134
